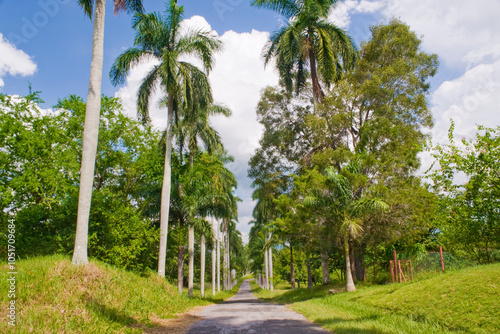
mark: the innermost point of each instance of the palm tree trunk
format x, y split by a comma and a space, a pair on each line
325, 270
214, 252
218, 256
266, 268
224, 256
292, 269
318, 94
165, 190
228, 260
350, 283
271, 285
190, 259
90, 136
202, 266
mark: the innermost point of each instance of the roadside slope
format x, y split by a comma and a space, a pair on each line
53, 296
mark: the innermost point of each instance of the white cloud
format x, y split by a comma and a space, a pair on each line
14, 61
237, 79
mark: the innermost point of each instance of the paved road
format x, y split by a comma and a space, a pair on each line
244, 313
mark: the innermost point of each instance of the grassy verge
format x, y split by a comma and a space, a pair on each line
461, 301
53, 296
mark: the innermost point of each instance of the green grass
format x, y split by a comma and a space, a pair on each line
465, 301
54, 296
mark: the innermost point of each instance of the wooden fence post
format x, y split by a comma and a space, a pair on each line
395, 264
442, 261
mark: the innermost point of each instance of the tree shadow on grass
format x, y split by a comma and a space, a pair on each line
111, 314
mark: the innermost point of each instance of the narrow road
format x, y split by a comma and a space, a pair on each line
244, 313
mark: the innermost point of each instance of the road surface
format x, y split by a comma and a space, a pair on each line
244, 313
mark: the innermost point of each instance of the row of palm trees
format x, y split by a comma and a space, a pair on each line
307, 40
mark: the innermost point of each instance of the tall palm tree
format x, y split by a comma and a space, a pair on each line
163, 39
308, 39
92, 112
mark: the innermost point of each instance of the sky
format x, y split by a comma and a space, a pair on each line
48, 43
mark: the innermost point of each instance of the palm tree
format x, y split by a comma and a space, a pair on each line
348, 205
308, 39
162, 38
92, 112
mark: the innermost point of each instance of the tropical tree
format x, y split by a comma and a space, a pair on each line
307, 38
348, 204
162, 38
91, 129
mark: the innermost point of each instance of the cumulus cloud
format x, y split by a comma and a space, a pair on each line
237, 79
14, 61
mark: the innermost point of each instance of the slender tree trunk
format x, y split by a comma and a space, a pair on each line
90, 136
309, 276
190, 260
165, 190
325, 269
266, 264
218, 256
229, 281
202, 266
180, 268
271, 284
214, 255
318, 94
292, 269
353, 261
224, 261
350, 283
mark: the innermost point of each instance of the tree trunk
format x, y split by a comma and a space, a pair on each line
90, 136
359, 259
325, 269
353, 260
224, 256
309, 276
190, 260
266, 268
214, 260
165, 190
202, 266
229, 281
350, 283
180, 268
292, 269
271, 284
318, 94
218, 256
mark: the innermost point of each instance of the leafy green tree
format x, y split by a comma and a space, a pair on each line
39, 159
91, 129
467, 182
307, 38
185, 85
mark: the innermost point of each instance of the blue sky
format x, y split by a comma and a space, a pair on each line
48, 43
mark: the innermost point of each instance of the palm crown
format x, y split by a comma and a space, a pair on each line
308, 39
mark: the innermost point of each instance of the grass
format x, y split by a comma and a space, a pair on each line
54, 296
465, 301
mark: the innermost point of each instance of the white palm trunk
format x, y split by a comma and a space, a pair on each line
266, 269
202, 266
271, 285
190, 260
214, 251
165, 191
229, 280
350, 282
218, 256
90, 136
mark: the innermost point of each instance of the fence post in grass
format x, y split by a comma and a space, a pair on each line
392, 271
442, 261
395, 265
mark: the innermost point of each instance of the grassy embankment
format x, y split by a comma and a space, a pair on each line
466, 301
53, 296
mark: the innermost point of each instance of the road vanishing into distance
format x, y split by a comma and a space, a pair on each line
244, 313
